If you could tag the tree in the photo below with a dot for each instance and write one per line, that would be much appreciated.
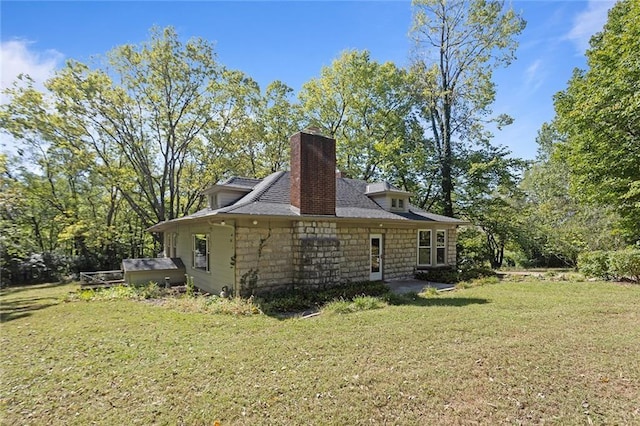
(365, 106)
(458, 44)
(558, 226)
(155, 121)
(599, 114)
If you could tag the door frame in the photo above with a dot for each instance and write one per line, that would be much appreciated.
(375, 276)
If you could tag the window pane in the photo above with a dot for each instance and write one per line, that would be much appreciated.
(401, 203)
(440, 237)
(375, 247)
(424, 238)
(424, 256)
(200, 252)
(393, 202)
(440, 256)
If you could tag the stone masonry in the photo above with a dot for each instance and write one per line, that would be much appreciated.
(316, 254)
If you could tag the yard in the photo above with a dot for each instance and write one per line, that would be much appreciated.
(530, 352)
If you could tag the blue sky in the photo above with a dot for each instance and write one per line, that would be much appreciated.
(292, 40)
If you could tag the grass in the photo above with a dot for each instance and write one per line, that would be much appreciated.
(531, 352)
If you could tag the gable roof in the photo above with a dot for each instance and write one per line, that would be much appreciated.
(271, 197)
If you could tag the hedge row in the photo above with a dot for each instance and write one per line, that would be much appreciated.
(619, 264)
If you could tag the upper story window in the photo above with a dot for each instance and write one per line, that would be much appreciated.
(401, 203)
(394, 203)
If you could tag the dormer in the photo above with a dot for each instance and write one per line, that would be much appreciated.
(389, 197)
(228, 192)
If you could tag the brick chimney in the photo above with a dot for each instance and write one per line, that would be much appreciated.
(313, 173)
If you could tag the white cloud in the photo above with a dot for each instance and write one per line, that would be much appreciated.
(17, 58)
(534, 75)
(589, 22)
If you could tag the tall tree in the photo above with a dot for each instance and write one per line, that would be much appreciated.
(365, 106)
(154, 121)
(558, 226)
(458, 43)
(599, 113)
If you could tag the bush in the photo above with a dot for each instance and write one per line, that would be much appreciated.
(360, 303)
(625, 264)
(300, 299)
(441, 275)
(594, 264)
(477, 282)
(475, 273)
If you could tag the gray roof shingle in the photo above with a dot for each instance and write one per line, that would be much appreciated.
(271, 197)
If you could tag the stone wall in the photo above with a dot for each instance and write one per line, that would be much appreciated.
(321, 253)
(400, 255)
(452, 238)
(263, 258)
(316, 254)
(354, 253)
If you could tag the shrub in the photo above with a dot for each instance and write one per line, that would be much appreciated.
(475, 273)
(625, 264)
(594, 264)
(300, 299)
(190, 286)
(441, 275)
(478, 282)
(360, 303)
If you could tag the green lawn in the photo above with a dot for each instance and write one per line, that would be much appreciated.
(508, 353)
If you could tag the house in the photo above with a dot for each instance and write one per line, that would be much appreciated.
(306, 227)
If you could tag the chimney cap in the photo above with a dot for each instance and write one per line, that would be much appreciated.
(313, 130)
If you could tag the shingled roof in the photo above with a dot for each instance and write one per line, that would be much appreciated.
(271, 197)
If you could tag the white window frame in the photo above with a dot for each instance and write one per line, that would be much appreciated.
(401, 203)
(442, 247)
(196, 255)
(394, 203)
(430, 247)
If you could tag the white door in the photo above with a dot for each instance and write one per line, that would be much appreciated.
(375, 271)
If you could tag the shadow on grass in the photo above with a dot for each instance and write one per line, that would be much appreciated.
(407, 299)
(416, 300)
(11, 290)
(21, 308)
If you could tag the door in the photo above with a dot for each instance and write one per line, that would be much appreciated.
(375, 271)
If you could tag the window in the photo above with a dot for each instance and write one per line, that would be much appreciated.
(441, 247)
(201, 252)
(400, 203)
(173, 250)
(394, 203)
(424, 247)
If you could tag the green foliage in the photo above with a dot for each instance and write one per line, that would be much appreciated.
(457, 45)
(476, 273)
(471, 245)
(440, 275)
(365, 106)
(625, 264)
(618, 264)
(558, 225)
(598, 113)
(190, 286)
(235, 306)
(359, 303)
(478, 282)
(151, 290)
(297, 300)
(594, 264)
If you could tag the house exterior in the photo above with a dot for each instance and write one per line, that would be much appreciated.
(308, 227)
